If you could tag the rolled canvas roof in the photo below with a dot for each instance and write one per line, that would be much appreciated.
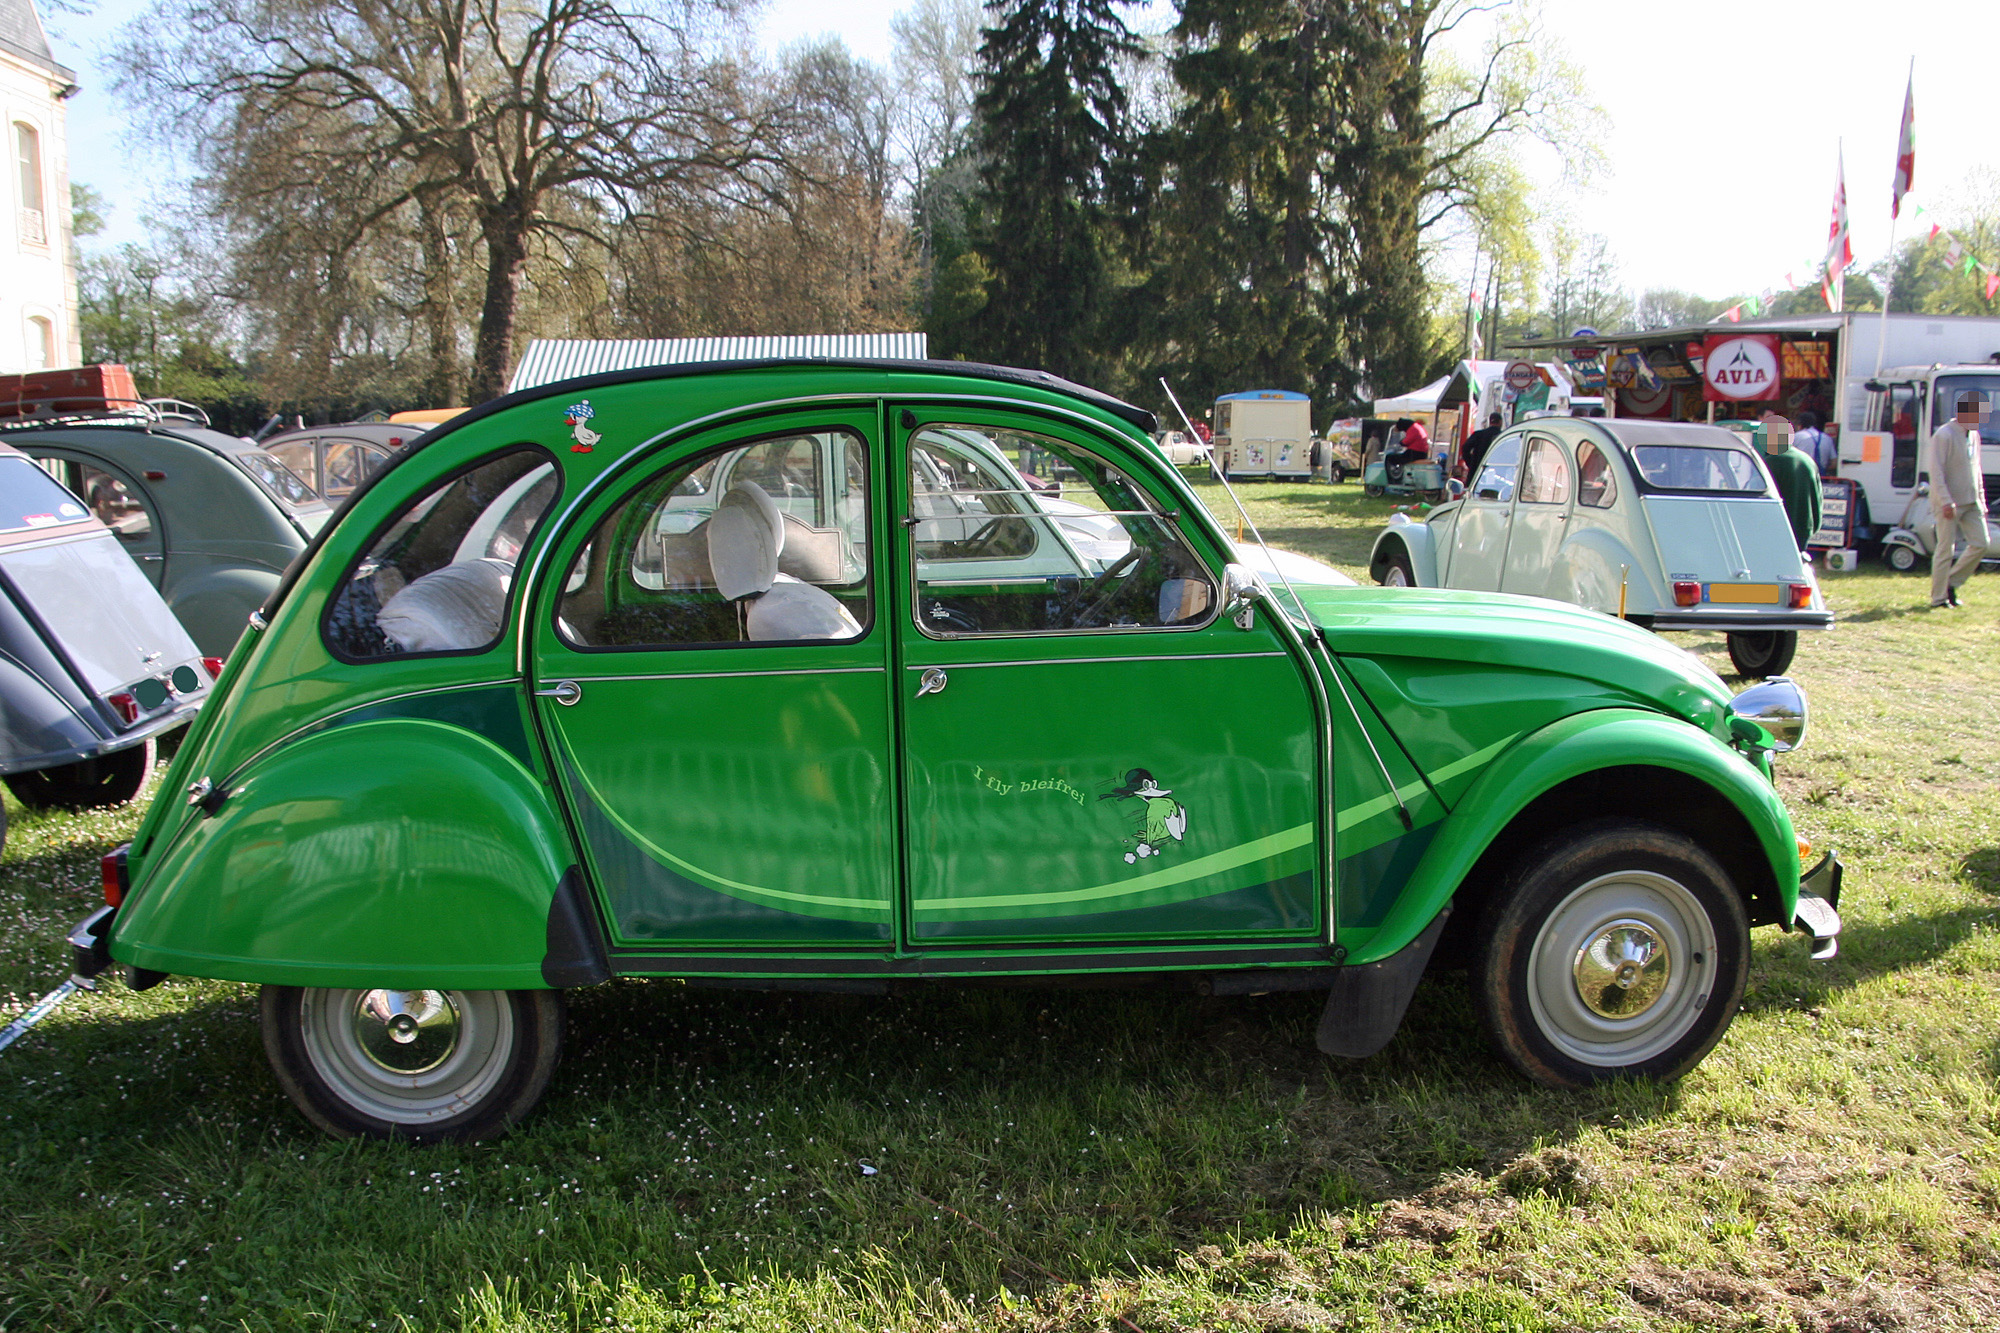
(550, 359)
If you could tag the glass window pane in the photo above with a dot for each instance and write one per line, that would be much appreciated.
(1680, 467)
(1496, 474)
(1546, 478)
(438, 579)
(298, 457)
(30, 498)
(1595, 487)
(763, 542)
(997, 553)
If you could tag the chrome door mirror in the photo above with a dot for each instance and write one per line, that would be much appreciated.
(1240, 590)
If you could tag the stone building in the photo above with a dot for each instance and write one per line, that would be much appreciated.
(38, 309)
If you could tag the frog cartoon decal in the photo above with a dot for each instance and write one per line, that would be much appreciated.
(1162, 819)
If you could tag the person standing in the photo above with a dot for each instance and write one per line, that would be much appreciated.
(1817, 445)
(1476, 445)
(1796, 475)
(1958, 499)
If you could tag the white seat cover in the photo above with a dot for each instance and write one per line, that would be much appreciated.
(745, 535)
(459, 606)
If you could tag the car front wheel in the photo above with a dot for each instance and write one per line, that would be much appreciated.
(1617, 948)
(1901, 559)
(420, 1065)
(1759, 653)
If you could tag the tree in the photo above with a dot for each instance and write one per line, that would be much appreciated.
(1052, 137)
(535, 122)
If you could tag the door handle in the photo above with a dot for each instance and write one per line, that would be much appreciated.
(564, 692)
(932, 683)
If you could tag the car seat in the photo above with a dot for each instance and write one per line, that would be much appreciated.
(746, 536)
(457, 607)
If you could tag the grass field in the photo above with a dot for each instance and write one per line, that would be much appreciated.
(1087, 1160)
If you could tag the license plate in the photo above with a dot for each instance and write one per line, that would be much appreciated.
(1744, 592)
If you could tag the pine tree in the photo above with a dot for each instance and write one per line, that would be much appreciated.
(1055, 148)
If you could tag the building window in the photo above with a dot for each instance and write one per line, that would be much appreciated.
(28, 155)
(41, 343)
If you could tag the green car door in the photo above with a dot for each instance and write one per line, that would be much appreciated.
(710, 668)
(1092, 753)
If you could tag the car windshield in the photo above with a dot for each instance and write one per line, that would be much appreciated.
(276, 478)
(30, 498)
(1683, 467)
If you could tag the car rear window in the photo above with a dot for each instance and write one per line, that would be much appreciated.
(1683, 467)
(30, 498)
(276, 478)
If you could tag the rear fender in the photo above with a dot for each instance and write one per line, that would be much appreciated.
(1592, 565)
(397, 852)
(1571, 748)
(1411, 538)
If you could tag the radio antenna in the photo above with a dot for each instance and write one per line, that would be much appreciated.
(1237, 500)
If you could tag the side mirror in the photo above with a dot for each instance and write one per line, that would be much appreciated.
(1455, 489)
(1240, 590)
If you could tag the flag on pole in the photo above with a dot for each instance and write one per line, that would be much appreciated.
(1839, 252)
(1992, 284)
(1906, 145)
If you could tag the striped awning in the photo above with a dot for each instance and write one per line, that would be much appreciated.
(550, 359)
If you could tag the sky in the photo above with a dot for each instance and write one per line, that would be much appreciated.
(1725, 121)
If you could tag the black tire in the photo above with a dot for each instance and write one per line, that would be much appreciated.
(1588, 918)
(1396, 572)
(1434, 497)
(88, 784)
(1760, 653)
(1337, 473)
(1373, 492)
(462, 1065)
(1902, 559)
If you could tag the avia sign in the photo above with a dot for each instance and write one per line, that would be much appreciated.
(1740, 368)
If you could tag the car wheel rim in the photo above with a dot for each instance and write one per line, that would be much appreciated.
(1622, 969)
(1395, 578)
(408, 1057)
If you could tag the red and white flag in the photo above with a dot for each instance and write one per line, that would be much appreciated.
(1906, 148)
(1839, 252)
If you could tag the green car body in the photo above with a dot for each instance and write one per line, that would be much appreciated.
(973, 774)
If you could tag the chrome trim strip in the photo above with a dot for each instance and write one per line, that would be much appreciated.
(1077, 661)
(731, 675)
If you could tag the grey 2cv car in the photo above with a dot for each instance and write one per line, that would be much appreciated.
(92, 664)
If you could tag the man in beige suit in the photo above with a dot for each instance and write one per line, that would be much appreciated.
(1958, 498)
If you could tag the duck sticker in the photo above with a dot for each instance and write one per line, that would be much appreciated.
(576, 417)
(1161, 818)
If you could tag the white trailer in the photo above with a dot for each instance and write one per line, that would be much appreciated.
(1264, 433)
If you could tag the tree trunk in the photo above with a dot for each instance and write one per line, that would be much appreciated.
(506, 237)
(444, 384)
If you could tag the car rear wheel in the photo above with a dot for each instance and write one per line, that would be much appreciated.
(88, 784)
(1374, 492)
(1759, 653)
(1397, 572)
(420, 1065)
(1616, 948)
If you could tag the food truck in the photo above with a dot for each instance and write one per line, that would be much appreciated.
(1825, 364)
(1264, 433)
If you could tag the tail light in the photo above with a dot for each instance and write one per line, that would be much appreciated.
(1798, 595)
(117, 879)
(125, 705)
(1687, 594)
(213, 666)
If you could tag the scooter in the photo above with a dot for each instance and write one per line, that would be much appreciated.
(1914, 537)
(1423, 477)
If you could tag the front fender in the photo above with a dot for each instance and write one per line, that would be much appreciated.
(1570, 748)
(1413, 539)
(330, 865)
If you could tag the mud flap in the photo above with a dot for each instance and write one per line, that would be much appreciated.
(1368, 1000)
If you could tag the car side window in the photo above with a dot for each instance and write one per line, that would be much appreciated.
(1497, 472)
(300, 456)
(757, 542)
(438, 577)
(1596, 487)
(1545, 479)
(998, 554)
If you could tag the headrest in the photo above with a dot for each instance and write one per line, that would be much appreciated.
(745, 536)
